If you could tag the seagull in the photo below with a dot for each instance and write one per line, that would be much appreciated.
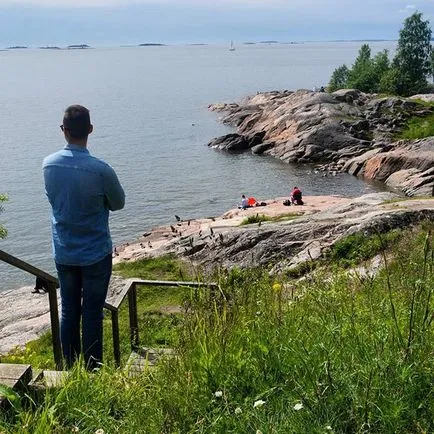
(177, 218)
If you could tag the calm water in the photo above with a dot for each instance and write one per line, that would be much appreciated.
(149, 110)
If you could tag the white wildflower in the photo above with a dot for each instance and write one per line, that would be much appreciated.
(258, 431)
(298, 406)
(99, 431)
(329, 428)
(218, 394)
(258, 403)
(238, 410)
(75, 428)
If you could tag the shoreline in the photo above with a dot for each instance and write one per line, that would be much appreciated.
(161, 238)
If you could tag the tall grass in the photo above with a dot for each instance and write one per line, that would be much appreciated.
(418, 128)
(333, 353)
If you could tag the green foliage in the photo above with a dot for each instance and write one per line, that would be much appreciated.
(3, 230)
(366, 73)
(418, 128)
(339, 78)
(406, 75)
(413, 59)
(258, 218)
(361, 74)
(330, 354)
(358, 247)
(38, 353)
(160, 268)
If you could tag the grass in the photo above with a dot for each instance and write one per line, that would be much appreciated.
(260, 218)
(334, 354)
(359, 247)
(417, 128)
(407, 198)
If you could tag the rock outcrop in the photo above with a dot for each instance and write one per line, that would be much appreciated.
(346, 130)
(288, 243)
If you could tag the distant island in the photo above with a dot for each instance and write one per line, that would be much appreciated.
(16, 47)
(249, 43)
(151, 44)
(49, 48)
(197, 44)
(268, 42)
(78, 47)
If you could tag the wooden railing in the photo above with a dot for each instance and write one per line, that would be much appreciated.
(129, 291)
(51, 284)
(113, 303)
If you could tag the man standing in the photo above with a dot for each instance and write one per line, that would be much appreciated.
(82, 190)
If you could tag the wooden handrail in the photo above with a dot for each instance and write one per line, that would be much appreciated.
(18, 263)
(130, 290)
(51, 285)
(112, 304)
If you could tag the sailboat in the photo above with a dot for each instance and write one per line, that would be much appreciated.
(232, 48)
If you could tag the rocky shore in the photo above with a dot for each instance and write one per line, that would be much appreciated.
(286, 236)
(346, 131)
(282, 239)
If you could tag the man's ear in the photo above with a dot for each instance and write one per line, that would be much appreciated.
(90, 128)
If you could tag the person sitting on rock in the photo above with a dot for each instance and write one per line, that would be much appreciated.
(296, 196)
(244, 202)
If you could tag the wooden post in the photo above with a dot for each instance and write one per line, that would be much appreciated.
(134, 324)
(116, 339)
(55, 325)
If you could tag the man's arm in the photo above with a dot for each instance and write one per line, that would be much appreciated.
(114, 193)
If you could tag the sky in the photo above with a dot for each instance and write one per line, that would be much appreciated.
(131, 22)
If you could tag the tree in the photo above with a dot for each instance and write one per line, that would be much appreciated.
(3, 231)
(339, 78)
(413, 55)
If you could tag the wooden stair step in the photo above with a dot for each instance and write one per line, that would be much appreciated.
(146, 358)
(49, 379)
(15, 376)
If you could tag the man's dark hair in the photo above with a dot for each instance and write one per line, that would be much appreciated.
(77, 121)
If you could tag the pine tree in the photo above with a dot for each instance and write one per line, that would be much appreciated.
(413, 55)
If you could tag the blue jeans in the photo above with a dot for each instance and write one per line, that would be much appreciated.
(83, 291)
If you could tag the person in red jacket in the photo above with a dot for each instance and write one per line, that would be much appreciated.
(296, 196)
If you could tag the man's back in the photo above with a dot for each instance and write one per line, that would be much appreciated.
(81, 190)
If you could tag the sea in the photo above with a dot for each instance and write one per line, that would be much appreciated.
(149, 108)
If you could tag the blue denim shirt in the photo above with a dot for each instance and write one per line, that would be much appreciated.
(81, 190)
